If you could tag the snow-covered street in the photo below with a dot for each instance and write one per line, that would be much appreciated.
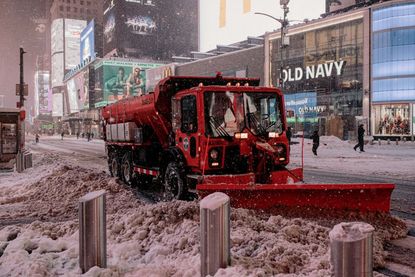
(39, 225)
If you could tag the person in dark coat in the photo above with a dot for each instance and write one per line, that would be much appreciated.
(360, 135)
(316, 142)
(289, 135)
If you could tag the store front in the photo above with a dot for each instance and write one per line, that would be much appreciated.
(322, 76)
(392, 119)
(393, 70)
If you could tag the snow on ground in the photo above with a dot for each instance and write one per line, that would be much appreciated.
(391, 160)
(39, 230)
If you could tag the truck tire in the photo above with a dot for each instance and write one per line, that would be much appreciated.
(174, 186)
(114, 165)
(127, 169)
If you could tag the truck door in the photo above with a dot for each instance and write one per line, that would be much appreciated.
(186, 132)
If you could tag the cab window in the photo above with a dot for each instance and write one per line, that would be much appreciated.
(189, 114)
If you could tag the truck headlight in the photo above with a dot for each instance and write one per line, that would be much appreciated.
(214, 154)
(273, 135)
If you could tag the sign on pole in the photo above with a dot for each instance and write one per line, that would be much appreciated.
(25, 89)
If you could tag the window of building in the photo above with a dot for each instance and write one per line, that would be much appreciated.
(392, 119)
(74, 1)
(75, 9)
(88, 3)
(82, 2)
(68, 9)
(61, 8)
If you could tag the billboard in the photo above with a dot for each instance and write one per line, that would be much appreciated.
(78, 94)
(88, 42)
(57, 70)
(117, 79)
(57, 104)
(73, 29)
(154, 29)
(154, 75)
(302, 107)
(42, 97)
(57, 35)
(109, 27)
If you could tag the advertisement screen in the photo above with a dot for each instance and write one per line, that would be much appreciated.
(57, 70)
(115, 80)
(78, 94)
(301, 106)
(88, 42)
(57, 35)
(109, 26)
(156, 29)
(73, 96)
(73, 29)
(42, 92)
(57, 104)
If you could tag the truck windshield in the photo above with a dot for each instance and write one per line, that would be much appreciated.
(229, 112)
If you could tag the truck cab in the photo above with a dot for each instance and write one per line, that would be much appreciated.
(228, 130)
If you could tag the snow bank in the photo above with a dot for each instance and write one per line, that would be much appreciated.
(39, 232)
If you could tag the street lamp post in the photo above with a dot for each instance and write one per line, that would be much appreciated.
(284, 24)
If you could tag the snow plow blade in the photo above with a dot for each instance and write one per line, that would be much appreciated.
(350, 197)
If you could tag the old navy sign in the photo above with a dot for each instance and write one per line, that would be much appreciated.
(313, 71)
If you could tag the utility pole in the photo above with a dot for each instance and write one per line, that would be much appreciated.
(284, 24)
(283, 44)
(21, 88)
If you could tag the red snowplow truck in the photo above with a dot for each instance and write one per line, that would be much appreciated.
(208, 134)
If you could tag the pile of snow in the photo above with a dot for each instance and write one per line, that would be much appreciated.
(39, 232)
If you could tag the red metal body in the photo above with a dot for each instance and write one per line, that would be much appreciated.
(360, 197)
(176, 127)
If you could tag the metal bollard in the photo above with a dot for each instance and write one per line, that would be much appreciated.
(92, 231)
(19, 162)
(214, 233)
(379, 141)
(351, 249)
(389, 141)
(397, 141)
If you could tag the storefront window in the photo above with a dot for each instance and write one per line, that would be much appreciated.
(392, 119)
(323, 78)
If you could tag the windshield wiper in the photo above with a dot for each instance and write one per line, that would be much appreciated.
(218, 128)
(252, 119)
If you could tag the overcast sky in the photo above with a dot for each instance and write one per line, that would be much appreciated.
(239, 25)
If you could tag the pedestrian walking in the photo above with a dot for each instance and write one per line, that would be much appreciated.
(316, 142)
(88, 135)
(62, 134)
(289, 135)
(37, 138)
(360, 135)
(77, 135)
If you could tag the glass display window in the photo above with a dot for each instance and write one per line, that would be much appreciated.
(392, 119)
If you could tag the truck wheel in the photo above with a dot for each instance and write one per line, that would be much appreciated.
(127, 169)
(114, 166)
(174, 187)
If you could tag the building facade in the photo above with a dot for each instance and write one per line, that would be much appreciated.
(393, 69)
(349, 68)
